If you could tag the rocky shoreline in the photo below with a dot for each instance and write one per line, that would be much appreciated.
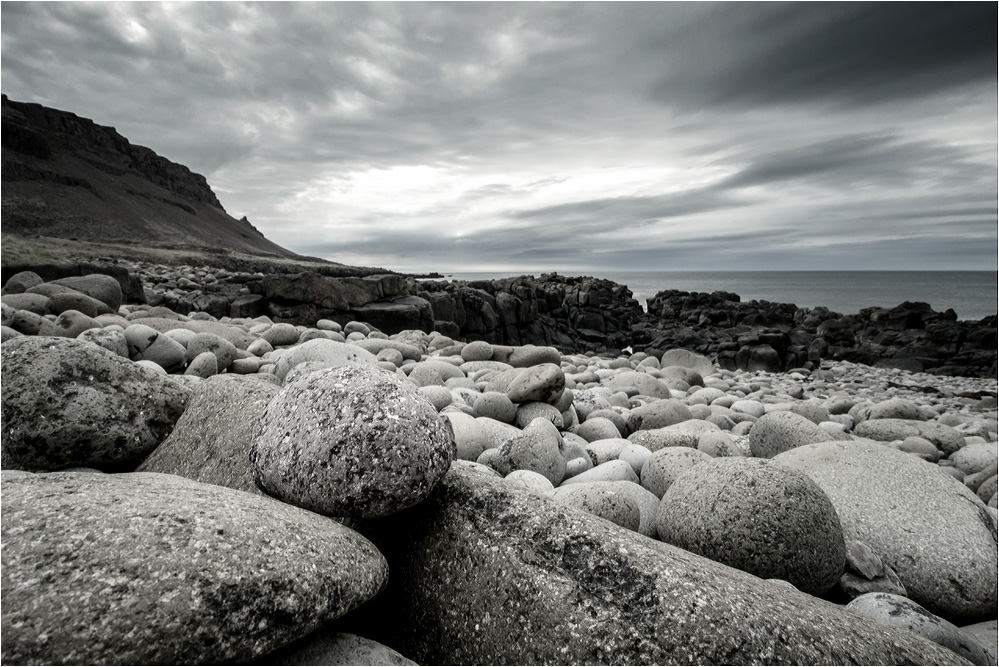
(191, 477)
(575, 314)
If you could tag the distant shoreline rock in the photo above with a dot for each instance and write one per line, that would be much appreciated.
(572, 313)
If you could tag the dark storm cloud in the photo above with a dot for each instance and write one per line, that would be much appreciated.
(416, 135)
(846, 53)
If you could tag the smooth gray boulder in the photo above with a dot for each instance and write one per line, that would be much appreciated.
(211, 441)
(947, 439)
(68, 402)
(330, 353)
(143, 568)
(355, 441)
(901, 612)
(148, 344)
(102, 287)
(782, 430)
(933, 531)
(539, 447)
(658, 414)
(484, 573)
(757, 516)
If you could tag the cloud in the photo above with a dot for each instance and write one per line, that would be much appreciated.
(426, 136)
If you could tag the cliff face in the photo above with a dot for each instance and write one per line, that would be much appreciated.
(68, 177)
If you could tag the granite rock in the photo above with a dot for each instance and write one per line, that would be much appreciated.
(144, 568)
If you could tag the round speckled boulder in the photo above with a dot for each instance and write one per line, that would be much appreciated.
(67, 402)
(224, 351)
(478, 350)
(604, 499)
(665, 466)
(930, 528)
(353, 441)
(779, 431)
(974, 458)
(759, 517)
(144, 568)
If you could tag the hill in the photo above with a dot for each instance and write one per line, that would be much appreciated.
(69, 182)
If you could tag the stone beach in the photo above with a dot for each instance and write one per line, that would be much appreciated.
(295, 469)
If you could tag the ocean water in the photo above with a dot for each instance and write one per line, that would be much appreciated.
(972, 294)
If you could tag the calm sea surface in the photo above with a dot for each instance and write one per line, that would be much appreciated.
(972, 294)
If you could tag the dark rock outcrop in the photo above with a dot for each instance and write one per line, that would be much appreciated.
(760, 335)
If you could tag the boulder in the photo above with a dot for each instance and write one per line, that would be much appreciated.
(98, 286)
(144, 568)
(902, 506)
(657, 414)
(945, 438)
(539, 448)
(326, 647)
(757, 516)
(781, 430)
(211, 441)
(353, 441)
(71, 403)
(603, 499)
(901, 612)
(330, 353)
(666, 465)
(485, 573)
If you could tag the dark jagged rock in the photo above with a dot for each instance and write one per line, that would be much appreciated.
(759, 335)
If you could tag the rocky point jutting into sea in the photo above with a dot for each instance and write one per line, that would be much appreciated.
(204, 466)
(216, 451)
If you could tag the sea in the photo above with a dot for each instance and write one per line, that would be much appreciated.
(972, 294)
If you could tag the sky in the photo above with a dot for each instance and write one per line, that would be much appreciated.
(554, 136)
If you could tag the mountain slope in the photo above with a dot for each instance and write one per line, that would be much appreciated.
(67, 177)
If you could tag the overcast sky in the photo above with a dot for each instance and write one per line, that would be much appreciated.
(540, 136)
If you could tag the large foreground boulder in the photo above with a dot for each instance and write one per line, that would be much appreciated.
(934, 532)
(68, 402)
(485, 573)
(144, 568)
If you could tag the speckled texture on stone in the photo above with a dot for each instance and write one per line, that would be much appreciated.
(68, 402)
(353, 441)
(779, 431)
(603, 499)
(325, 647)
(544, 382)
(759, 517)
(933, 531)
(483, 573)
(666, 465)
(211, 441)
(143, 568)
